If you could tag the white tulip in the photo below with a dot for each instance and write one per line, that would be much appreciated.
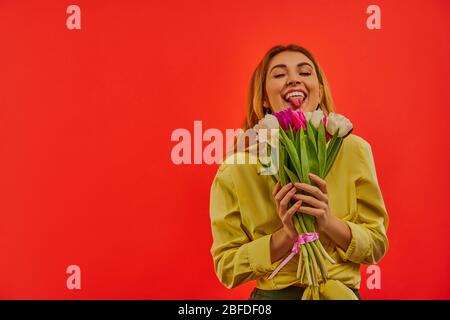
(268, 122)
(344, 126)
(316, 117)
(308, 115)
(337, 122)
(332, 125)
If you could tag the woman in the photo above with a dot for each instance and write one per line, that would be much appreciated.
(251, 223)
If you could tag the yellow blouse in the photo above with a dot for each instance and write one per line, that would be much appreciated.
(244, 216)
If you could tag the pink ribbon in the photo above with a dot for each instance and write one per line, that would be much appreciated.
(302, 239)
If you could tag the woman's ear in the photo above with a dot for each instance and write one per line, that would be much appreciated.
(320, 93)
(266, 104)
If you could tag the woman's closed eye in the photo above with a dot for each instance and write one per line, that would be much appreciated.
(301, 73)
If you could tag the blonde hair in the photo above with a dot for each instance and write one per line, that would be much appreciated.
(257, 92)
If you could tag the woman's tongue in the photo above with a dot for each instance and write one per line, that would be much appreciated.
(296, 102)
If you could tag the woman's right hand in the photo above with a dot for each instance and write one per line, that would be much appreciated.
(283, 196)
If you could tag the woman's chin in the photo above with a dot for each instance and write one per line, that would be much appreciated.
(289, 106)
(294, 107)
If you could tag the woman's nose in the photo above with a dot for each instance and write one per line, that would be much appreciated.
(293, 82)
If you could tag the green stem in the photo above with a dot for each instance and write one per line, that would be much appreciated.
(317, 253)
(323, 269)
(314, 268)
(306, 261)
(300, 264)
(302, 277)
(325, 253)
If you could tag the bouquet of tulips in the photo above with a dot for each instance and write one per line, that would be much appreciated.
(307, 143)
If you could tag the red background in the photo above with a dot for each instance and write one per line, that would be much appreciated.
(86, 117)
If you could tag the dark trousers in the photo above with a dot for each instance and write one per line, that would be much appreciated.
(289, 293)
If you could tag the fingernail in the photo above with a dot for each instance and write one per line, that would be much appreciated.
(289, 184)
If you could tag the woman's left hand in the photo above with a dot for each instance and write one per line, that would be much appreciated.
(318, 199)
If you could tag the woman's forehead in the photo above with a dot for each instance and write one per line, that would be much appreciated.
(289, 59)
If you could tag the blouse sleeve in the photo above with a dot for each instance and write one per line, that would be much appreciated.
(237, 259)
(369, 240)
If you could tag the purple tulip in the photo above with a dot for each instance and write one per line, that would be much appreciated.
(284, 118)
(327, 135)
(298, 120)
(295, 119)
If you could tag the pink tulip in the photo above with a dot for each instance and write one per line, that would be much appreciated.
(284, 118)
(327, 135)
(302, 118)
(298, 120)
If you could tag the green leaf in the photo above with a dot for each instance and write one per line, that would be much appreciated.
(311, 135)
(291, 133)
(292, 176)
(297, 144)
(275, 178)
(281, 172)
(292, 152)
(304, 158)
(312, 157)
(333, 154)
(321, 149)
(297, 141)
(315, 131)
(331, 144)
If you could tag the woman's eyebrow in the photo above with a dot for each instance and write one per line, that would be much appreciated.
(284, 66)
